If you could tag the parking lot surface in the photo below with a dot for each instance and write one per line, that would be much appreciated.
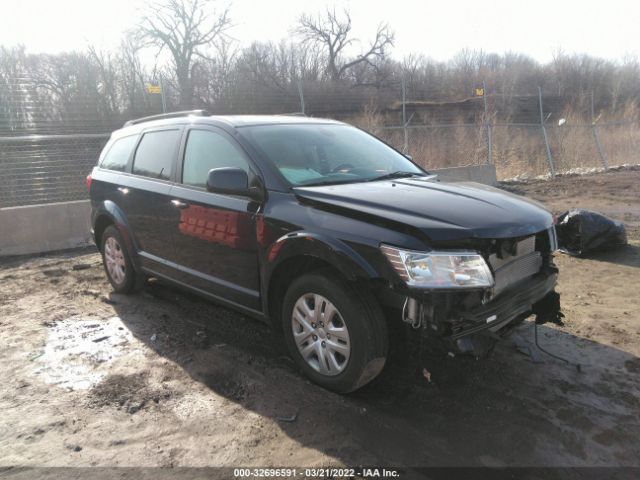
(164, 378)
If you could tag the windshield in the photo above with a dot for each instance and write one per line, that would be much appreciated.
(325, 154)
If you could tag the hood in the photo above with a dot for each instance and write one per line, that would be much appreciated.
(440, 210)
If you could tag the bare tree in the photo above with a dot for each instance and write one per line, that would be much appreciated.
(333, 33)
(216, 75)
(132, 73)
(186, 28)
(108, 77)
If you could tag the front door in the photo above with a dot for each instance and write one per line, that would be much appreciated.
(215, 237)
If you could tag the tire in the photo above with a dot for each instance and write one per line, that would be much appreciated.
(122, 275)
(338, 361)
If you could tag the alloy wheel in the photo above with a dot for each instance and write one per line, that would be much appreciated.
(320, 334)
(114, 260)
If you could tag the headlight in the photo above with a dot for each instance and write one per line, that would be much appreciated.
(440, 269)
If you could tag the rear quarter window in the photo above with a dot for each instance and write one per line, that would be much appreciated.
(155, 154)
(118, 154)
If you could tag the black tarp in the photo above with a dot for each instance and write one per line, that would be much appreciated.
(581, 231)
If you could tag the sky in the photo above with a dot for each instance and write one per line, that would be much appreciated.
(437, 29)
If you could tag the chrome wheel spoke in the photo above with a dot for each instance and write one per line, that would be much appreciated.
(342, 349)
(302, 338)
(322, 359)
(328, 314)
(301, 315)
(340, 333)
(308, 350)
(318, 304)
(303, 305)
(333, 361)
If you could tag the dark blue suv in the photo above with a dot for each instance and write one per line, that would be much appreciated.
(322, 230)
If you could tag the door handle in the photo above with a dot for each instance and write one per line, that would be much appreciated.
(179, 204)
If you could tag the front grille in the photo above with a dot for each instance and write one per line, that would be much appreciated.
(511, 269)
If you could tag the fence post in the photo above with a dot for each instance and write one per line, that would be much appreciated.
(596, 137)
(487, 124)
(300, 92)
(163, 95)
(405, 147)
(552, 170)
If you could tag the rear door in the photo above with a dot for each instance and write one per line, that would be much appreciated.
(106, 178)
(145, 191)
(215, 237)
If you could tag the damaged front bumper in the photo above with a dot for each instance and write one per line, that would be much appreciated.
(466, 324)
(508, 306)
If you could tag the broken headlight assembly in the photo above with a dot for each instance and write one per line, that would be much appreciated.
(440, 269)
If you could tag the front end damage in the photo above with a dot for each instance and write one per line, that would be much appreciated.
(471, 321)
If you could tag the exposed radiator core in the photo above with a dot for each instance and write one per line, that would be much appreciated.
(509, 270)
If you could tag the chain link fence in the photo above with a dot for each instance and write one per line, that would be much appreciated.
(439, 146)
(46, 168)
(524, 136)
(48, 145)
(519, 151)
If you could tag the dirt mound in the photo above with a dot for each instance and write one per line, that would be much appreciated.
(129, 392)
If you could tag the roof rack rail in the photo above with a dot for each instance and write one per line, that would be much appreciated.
(292, 114)
(161, 116)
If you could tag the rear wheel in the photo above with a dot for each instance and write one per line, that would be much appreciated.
(117, 262)
(336, 334)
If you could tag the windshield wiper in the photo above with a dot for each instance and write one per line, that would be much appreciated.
(326, 182)
(387, 176)
(397, 174)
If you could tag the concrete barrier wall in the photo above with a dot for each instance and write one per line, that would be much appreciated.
(60, 226)
(44, 228)
(473, 173)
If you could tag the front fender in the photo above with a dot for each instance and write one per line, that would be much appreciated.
(304, 244)
(329, 249)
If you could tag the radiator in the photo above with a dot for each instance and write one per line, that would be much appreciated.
(509, 270)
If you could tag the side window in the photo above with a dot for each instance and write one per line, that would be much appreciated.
(155, 153)
(118, 155)
(207, 150)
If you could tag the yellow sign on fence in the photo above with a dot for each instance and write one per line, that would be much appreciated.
(479, 92)
(153, 88)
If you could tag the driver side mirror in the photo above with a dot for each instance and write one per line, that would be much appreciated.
(232, 181)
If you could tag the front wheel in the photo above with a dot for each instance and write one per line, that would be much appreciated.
(336, 334)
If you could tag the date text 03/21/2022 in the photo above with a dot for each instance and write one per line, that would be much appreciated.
(316, 472)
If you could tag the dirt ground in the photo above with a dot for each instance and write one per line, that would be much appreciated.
(163, 378)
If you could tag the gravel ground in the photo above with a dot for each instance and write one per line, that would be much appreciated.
(163, 378)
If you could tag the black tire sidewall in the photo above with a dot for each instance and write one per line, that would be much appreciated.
(366, 343)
